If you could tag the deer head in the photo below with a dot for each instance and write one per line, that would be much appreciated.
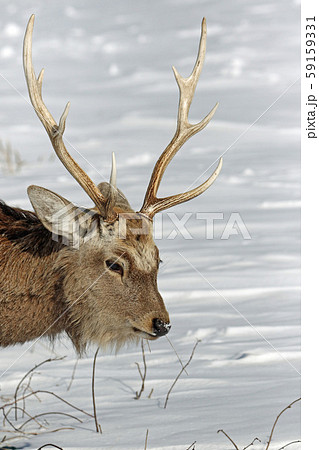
(111, 282)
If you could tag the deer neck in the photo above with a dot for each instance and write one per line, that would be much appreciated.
(31, 292)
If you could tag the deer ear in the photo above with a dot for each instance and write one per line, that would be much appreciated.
(50, 208)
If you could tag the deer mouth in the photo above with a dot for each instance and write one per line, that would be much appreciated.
(145, 334)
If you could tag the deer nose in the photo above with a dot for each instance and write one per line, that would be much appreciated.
(160, 328)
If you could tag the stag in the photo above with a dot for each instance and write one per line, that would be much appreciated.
(102, 291)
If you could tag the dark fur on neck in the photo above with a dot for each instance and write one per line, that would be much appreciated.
(24, 229)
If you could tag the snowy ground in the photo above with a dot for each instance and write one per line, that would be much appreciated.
(239, 296)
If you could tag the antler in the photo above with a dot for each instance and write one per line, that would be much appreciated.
(184, 131)
(55, 132)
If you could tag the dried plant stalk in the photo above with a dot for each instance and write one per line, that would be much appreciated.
(142, 375)
(180, 373)
(97, 425)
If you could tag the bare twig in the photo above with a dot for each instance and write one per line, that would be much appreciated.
(192, 446)
(27, 374)
(31, 391)
(142, 375)
(148, 346)
(48, 414)
(150, 394)
(97, 425)
(6, 414)
(292, 442)
(50, 393)
(277, 418)
(179, 359)
(73, 374)
(222, 431)
(50, 445)
(146, 438)
(21, 434)
(54, 431)
(180, 373)
(252, 443)
(18, 431)
(6, 418)
(27, 387)
(271, 434)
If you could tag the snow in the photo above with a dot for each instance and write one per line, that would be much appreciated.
(239, 297)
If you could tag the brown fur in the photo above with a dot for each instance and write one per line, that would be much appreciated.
(47, 287)
(30, 293)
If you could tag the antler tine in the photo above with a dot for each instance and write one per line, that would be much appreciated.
(168, 202)
(111, 201)
(184, 130)
(55, 132)
(187, 88)
(113, 172)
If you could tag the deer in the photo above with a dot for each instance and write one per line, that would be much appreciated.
(102, 291)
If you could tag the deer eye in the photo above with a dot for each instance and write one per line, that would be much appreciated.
(115, 267)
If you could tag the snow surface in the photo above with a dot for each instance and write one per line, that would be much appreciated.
(239, 296)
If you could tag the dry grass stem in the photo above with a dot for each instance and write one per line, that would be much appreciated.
(41, 391)
(146, 438)
(192, 446)
(180, 373)
(222, 431)
(179, 359)
(48, 414)
(26, 375)
(252, 443)
(290, 443)
(150, 394)
(27, 388)
(142, 375)
(24, 412)
(50, 445)
(73, 374)
(271, 434)
(15, 405)
(97, 425)
(277, 418)
(6, 419)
